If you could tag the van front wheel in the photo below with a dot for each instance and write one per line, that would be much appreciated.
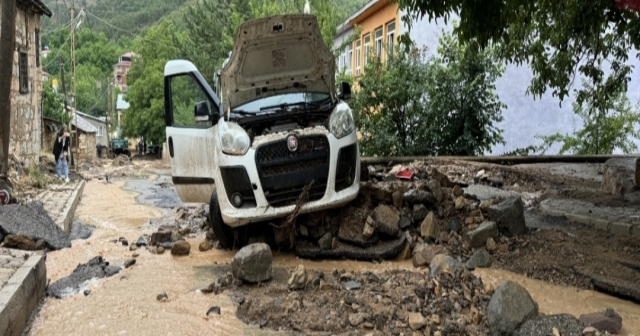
(220, 229)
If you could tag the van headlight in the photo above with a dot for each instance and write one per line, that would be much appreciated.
(341, 121)
(234, 139)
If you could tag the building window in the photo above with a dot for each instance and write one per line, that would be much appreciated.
(367, 48)
(391, 36)
(37, 48)
(99, 133)
(358, 56)
(379, 42)
(349, 58)
(24, 72)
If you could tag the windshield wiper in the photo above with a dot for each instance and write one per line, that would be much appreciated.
(302, 103)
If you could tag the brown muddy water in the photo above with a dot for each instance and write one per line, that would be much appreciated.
(126, 304)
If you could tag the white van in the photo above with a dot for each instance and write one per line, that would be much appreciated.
(283, 127)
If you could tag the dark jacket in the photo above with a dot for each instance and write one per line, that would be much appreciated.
(60, 145)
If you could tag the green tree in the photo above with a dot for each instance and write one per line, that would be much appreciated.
(442, 106)
(559, 39)
(462, 98)
(145, 116)
(52, 104)
(605, 127)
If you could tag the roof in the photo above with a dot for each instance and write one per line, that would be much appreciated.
(88, 116)
(35, 5)
(121, 104)
(347, 23)
(83, 124)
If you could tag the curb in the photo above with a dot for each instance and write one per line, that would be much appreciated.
(601, 223)
(20, 295)
(70, 207)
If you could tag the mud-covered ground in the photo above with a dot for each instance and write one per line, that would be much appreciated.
(555, 251)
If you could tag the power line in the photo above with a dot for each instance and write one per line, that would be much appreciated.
(59, 50)
(129, 32)
(66, 25)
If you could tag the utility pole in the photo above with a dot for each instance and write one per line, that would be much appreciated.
(7, 47)
(73, 85)
(107, 115)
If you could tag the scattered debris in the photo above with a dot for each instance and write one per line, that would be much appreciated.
(129, 262)
(162, 297)
(213, 310)
(608, 321)
(180, 248)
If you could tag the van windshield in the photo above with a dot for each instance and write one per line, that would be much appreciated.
(284, 101)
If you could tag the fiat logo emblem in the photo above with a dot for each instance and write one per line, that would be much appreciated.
(292, 143)
(4, 197)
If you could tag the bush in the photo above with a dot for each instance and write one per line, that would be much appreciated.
(446, 105)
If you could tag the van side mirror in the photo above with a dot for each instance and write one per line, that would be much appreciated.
(345, 91)
(201, 109)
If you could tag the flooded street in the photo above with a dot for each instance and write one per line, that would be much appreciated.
(126, 303)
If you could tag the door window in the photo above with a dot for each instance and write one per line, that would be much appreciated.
(189, 103)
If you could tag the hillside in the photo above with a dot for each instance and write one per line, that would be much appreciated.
(132, 16)
(136, 16)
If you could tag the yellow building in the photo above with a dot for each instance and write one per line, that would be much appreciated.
(380, 22)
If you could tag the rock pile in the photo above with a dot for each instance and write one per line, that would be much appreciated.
(391, 303)
(172, 229)
(430, 215)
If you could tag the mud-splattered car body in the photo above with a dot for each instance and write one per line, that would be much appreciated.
(279, 127)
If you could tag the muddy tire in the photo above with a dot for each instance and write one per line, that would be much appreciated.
(220, 229)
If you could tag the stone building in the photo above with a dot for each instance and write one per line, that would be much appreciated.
(26, 84)
(86, 138)
(100, 123)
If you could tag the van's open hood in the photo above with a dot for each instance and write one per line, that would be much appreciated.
(277, 55)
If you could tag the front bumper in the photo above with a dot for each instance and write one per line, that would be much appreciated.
(330, 189)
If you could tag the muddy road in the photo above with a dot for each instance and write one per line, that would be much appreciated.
(126, 303)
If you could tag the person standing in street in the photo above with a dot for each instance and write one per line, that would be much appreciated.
(61, 153)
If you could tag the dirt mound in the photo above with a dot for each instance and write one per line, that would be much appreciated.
(389, 303)
(121, 160)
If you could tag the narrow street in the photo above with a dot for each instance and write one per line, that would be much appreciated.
(126, 302)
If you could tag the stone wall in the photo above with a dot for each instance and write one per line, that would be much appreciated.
(26, 121)
(87, 148)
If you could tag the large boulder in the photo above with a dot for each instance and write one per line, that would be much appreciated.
(543, 325)
(607, 320)
(252, 263)
(424, 253)
(445, 264)
(509, 215)
(509, 307)
(620, 175)
(478, 237)
(387, 220)
(32, 220)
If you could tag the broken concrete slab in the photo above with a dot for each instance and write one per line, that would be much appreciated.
(384, 250)
(484, 193)
(20, 295)
(621, 175)
(32, 220)
(96, 268)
